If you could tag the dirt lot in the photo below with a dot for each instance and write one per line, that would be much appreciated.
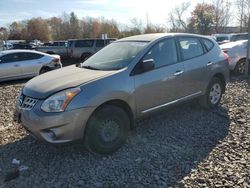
(185, 146)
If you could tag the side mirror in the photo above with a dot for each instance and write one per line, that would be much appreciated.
(143, 66)
(148, 65)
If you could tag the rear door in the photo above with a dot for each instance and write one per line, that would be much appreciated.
(196, 64)
(31, 63)
(10, 66)
(162, 85)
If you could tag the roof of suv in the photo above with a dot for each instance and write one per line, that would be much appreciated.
(155, 36)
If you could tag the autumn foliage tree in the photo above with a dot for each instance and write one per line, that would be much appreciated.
(202, 19)
(38, 28)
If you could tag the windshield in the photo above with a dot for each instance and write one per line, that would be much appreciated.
(115, 56)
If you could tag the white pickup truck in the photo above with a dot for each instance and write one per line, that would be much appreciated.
(56, 47)
(84, 48)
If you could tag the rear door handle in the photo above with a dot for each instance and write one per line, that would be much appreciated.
(16, 65)
(177, 73)
(209, 63)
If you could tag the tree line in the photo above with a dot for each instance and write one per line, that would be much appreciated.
(206, 18)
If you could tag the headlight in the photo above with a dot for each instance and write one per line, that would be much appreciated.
(59, 101)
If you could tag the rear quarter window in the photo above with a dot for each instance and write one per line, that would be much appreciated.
(208, 44)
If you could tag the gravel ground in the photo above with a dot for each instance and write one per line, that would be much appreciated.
(185, 146)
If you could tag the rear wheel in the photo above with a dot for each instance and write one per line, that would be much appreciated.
(213, 94)
(44, 70)
(107, 130)
(240, 67)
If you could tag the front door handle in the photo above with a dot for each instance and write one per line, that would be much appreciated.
(178, 73)
(16, 65)
(209, 63)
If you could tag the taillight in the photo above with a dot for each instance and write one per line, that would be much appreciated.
(56, 61)
(227, 57)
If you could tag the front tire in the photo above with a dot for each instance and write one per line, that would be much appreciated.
(213, 94)
(107, 130)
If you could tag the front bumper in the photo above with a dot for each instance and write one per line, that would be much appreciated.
(54, 128)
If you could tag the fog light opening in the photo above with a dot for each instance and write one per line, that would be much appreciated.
(51, 135)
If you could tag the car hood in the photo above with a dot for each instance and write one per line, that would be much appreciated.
(46, 84)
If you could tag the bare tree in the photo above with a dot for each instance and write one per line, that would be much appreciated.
(222, 14)
(176, 17)
(243, 12)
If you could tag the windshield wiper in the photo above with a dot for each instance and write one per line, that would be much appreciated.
(89, 67)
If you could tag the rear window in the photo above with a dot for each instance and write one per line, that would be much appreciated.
(208, 44)
(84, 43)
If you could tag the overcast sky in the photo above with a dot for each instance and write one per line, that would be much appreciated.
(120, 10)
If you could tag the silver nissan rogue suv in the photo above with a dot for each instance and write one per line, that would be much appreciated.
(99, 100)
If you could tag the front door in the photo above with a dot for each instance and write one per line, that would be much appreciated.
(165, 83)
(10, 66)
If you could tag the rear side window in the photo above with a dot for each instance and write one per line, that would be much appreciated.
(190, 47)
(239, 37)
(84, 43)
(163, 53)
(99, 43)
(30, 56)
(208, 44)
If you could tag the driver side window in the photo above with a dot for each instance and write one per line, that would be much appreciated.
(163, 53)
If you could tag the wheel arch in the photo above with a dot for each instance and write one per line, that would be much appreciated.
(121, 104)
(221, 77)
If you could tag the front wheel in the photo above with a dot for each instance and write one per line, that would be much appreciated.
(213, 94)
(107, 130)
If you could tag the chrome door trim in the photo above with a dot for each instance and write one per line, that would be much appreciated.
(171, 102)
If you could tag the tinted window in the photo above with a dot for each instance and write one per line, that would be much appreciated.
(84, 43)
(220, 39)
(31, 56)
(163, 53)
(10, 58)
(70, 43)
(239, 37)
(208, 44)
(190, 47)
(99, 43)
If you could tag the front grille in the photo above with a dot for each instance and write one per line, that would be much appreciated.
(27, 103)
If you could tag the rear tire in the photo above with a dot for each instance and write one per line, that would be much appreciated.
(107, 130)
(44, 70)
(213, 94)
(240, 67)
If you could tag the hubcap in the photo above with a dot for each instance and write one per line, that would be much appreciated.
(241, 68)
(215, 93)
(109, 130)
